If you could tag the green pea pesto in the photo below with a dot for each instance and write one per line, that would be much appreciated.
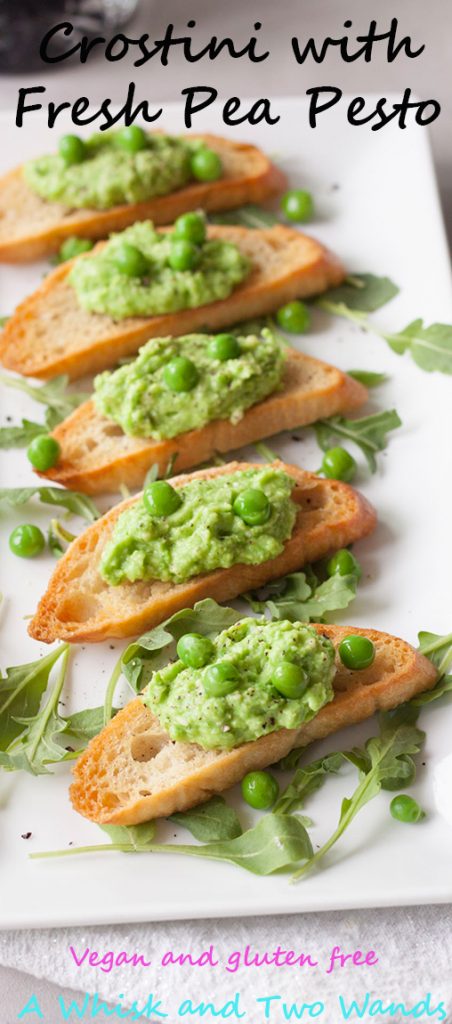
(109, 176)
(137, 397)
(203, 534)
(255, 647)
(102, 288)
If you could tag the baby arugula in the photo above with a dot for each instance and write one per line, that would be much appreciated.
(429, 347)
(76, 503)
(369, 433)
(54, 395)
(27, 730)
(301, 596)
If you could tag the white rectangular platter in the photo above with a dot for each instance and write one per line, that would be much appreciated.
(377, 206)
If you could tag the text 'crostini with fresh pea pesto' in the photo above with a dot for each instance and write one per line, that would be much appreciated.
(235, 704)
(91, 187)
(185, 399)
(143, 283)
(216, 533)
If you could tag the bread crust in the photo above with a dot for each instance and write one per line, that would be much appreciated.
(31, 227)
(49, 333)
(96, 456)
(79, 606)
(117, 779)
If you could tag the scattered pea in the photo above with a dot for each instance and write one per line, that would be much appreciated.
(194, 650)
(297, 205)
(180, 374)
(356, 652)
(290, 680)
(253, 506)
(338, 464)
(191, 227)
(224, 347)
(132, 138)
(43, 452)
(343, 563)
(294, 317)
(27, 541)
(260, 790)
(72, 149)
(160, 499)
(405, 808)
(205, 164)
(220, 679)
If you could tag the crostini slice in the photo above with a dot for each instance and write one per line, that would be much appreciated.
(79, 606)
(31, 227)
(96, 456)
(132, 771)
(49, 333)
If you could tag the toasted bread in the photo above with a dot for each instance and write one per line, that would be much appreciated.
(49, 333)
(132, 771)
(31, 227)
(80, 606)
(96, 456)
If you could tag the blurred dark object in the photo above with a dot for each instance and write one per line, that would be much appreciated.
(23, 23)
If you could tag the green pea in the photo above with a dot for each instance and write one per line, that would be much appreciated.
(404, 808)
(356, 651)
(297, 205)
(195, 650)
(74, 247)
(132, 138)
(160, 499)
(290, 680)
(260, 790)
(129, 260)
(343, 563)
(180, 374)
(338, 464)
(252, 506)
(224, 347)
(406, 775)
(27, 541)
(191, 227)
(205, 164)
(294, 317)
(220, 679)
(72, 149)
(43, 452)
(183, 255)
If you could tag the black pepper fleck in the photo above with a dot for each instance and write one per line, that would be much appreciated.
(26, 835)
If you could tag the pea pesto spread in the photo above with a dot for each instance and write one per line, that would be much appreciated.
(141, 272)
(254, 651)
(230, 374)
(169, 534)
(109, 169)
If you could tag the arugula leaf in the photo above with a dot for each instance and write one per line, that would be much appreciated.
(153, 649)
(277, 841)
(83, 725)
(369, 433)
(213, 821)
(58, 538)
(368, 378)
(381, 762)
(36, 745)
(301, 597)
(307, 780)
(361, 292)
(21, 692)
(52, 393)
(438, 649)
(139, 837)
(249, 216)
(430, 347)
(75, 502)
(21, 436)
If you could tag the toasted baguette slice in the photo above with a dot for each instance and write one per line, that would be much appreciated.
(31, 227)
(132, 771)
(97, 456)
(49, 333)
(80, 606)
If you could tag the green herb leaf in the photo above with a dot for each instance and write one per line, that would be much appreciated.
(21, 692)
(58, 538)
(379, 761)
(20, 437)
(368, 378)
(362, 292)
(83, 725)
(52, 393)
(76, 503)
(249, 216)
(307, 780)
(443, 686)
(138, 837)
(277, 841)
(437, 648)
(430, 347)
(301, 597)
(369, 433)
(214, 821)
(36, 745)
